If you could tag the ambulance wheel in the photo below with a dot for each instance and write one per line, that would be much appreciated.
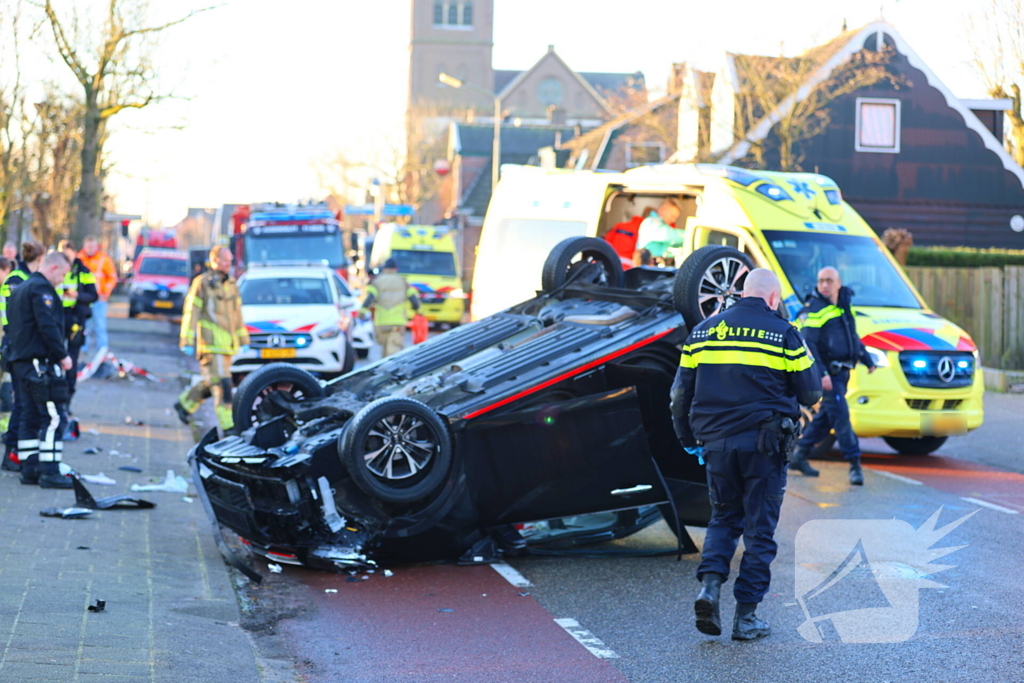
(922, 445)
(709, 281)
(397, 450)
(250, 405)
(601, 263)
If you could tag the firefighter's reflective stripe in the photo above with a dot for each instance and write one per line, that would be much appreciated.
(216, 339)
(819, 318)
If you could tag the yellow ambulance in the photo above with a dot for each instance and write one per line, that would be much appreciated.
(929, 384)
(428, 258)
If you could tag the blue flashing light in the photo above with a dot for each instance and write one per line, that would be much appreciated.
(919, 364)
(736, 175)
(833, 197)
(301, 341)
(773, 192)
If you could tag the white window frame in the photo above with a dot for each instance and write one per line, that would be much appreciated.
(631, 145)
(897, 133)
(460, 8)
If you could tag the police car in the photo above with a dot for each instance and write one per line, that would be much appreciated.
(301, 315)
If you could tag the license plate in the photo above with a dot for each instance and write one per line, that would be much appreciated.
(163, 304)
(943, 425)
(277, 353)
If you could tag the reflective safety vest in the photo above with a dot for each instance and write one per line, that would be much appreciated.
(212, 317)
(15, 278)
(390, 295)
(75, 279)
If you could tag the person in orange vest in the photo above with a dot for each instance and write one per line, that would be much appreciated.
(102, 267)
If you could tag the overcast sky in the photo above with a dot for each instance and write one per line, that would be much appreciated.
(275, 87)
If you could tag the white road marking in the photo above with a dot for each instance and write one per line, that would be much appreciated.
(509, 573)
(991, 506)
(898, 477)
(586, 639)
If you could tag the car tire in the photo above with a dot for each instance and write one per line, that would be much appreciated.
(922, 445)
(388, 477)
(257, 385)
(132, 311)
(713, 271)
(562, 262)
(349, 363)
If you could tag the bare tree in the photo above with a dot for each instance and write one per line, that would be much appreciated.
(785, 94)
(996, 31)
(650, 122)
(115, 71)
(54, 144)
(12, 111)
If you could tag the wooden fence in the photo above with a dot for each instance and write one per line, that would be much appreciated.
(986, 302)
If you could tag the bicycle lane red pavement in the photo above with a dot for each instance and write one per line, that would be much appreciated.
(952, 475)
(390, 629)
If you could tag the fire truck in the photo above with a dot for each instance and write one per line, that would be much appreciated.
(287, 234)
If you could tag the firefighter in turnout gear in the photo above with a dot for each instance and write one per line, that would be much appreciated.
(388, 295)
(830, 329)
(39, 359)
(32, 253)
(735, 401)
(78, 293)
(212, 329)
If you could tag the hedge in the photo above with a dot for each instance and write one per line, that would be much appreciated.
(964, 257)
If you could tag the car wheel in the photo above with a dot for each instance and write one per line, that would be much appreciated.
(350, 359)
(397, 450)
(922, 445)
(250, 406)
(569, 256)
(709, 281)
(132, 311)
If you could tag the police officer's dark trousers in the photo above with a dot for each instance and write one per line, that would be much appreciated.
(42, 426)
(746, 490)
(834, 414)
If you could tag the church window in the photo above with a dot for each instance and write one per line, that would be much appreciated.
(549, 91)
(438, 12)
(467, 14)
(453, 14)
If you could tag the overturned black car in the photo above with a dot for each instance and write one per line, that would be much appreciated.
(546, 425)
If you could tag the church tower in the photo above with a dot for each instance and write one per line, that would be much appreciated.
(455, 37)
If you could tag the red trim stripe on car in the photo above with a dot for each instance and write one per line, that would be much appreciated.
(583, 368)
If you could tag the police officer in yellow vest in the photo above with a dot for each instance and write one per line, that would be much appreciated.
(212, 329)
(78, 292)
(389, 294)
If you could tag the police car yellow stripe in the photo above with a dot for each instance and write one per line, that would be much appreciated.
(754, 358)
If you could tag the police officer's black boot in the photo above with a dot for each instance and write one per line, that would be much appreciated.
(706, 605)
(51, 478)
(30, 469)
(799, 463)
(856, 474)
(746, 625)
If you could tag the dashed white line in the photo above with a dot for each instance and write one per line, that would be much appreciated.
(899, 477)
(509, 573)
(586, 639)
(991, 506)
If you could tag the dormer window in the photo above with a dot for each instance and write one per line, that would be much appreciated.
(878, 125)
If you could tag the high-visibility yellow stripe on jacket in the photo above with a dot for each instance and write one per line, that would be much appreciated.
(15, 278)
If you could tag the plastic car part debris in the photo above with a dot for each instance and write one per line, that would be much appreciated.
(187, 499)
(171, 484)
(92, 450)
(83, 547)
(130, 468)
(123, 501)
(388, 572)
(330, 590)
(98, 606)
(523, 594)
(66, 513)
(93, 431)
(445, 609)
(356, 579)
(115, 452)
(274, 568)
(100, 478)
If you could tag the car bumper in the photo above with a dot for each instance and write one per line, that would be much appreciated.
(443, 311)
(883, 404)
(150, 303)
(320, 356)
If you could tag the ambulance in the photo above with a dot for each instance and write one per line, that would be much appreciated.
(929, 384)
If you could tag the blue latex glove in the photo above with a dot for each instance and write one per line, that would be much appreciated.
(697, 452)
(244, 348)
(188, 350)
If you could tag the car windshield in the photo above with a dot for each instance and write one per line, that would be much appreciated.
(173, 267)
(306, 248)
(275, 291)
(424, 262)
(861, 264)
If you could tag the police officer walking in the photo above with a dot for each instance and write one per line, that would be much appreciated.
(213, 331)
(830, 329)
(78, 293)
(735, 401)
(39, 359)
(389, 294)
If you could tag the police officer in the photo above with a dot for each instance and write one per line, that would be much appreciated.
(389, 294)
(740, 379)
(829, 327)
(78, 292)
(212, 329)
(39, 359)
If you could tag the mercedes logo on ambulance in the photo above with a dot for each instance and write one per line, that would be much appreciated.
(947, 369)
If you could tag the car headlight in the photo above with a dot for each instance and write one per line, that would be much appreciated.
(329, 333)
(457, 293)
(879, 357)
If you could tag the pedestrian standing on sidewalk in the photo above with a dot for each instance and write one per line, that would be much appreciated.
(78, 294)
(102, 268)
(32, 253)
(213, 331)
(39, 359)
(389, 295)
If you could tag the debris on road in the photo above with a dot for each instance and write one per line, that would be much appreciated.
(172, 483)
(187, 499)
(388, 572)
(330, 590)
(86, 500)
(100, 479)
(108, 366)
(93, 431)
(130, 468)
(274, 568)
(445, 609)
(98, 606)
(92, 450)
(66, 513)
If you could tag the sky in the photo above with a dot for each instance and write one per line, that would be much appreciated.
(268, 92)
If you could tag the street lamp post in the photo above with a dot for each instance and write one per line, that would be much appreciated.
(453, 82)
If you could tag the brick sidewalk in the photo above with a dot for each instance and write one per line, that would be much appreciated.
(171, 613)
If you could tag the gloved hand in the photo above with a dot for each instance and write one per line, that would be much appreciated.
(244, 348)
(697, 452)
(364, 314)
(188, 350)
